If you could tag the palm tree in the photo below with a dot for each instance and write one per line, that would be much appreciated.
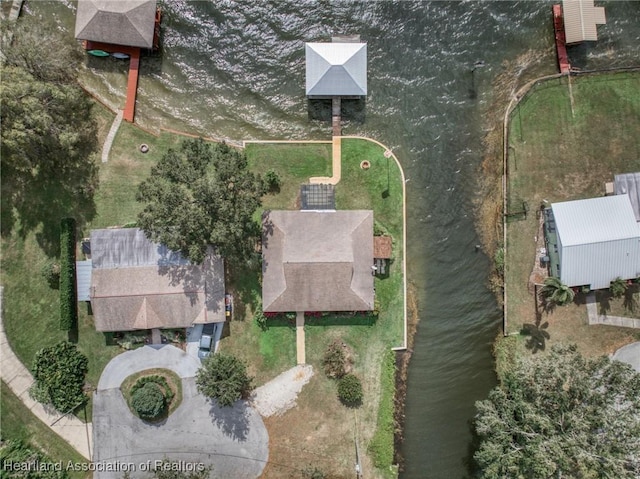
(555, 292)
(618, 287)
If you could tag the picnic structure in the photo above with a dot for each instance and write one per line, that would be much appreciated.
(592, 242)
(120, 28)
(581, 18)
(136, 284)
(306, 269)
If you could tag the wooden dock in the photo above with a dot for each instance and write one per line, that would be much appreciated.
(132, 80)
(561, 42)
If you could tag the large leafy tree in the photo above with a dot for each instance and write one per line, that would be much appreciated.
(562, 415)
(224, 378)
(48, 136)
(202, 195)
(59, 373)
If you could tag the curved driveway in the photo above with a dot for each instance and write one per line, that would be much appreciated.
(233, 441)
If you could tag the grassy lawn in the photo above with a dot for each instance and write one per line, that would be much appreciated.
(19, 423)
(30, 305)
(555, 155)
(320, 429)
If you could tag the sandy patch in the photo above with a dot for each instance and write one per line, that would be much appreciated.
(279, 395)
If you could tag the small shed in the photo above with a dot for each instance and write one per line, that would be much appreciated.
(129, 23)
(580, 20)
(382, 250)
(629, 184)
(336, 69)
(598, 241)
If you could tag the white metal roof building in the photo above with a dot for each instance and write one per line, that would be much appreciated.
(629, 184)
(580, 20)
(598, 241)
(336, 69)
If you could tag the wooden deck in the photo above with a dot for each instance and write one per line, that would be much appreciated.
(132, 81)
(561, 43)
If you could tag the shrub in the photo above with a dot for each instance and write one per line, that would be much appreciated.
(149, 401)
(224, 378)
(618, 287)
(272, 181)
(59, 373)
(261, 319)
(498, 260)
(68, 295)
(335, 360)
(350, 390)
(312, 472)
(51, 273)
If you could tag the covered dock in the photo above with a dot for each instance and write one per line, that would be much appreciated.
(581, 18)
(120, 28)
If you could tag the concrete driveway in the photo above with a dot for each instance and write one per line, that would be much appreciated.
(233, 441)
(629, 354)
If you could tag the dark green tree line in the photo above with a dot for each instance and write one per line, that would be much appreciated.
(561, 415)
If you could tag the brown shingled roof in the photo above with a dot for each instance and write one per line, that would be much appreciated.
(317, 261)
(137, 284)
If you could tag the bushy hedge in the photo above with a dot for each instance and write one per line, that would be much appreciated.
(350, 390)
(150, 396)
(59, 373)
(68, 295)
(149, 401)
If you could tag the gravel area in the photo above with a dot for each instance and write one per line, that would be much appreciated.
(279, 395)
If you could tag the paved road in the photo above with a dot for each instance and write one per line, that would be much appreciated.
(233, 440)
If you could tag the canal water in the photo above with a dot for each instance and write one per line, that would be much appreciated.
(235, 70)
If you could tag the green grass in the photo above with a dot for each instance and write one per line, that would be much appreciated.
(557, 156)
(20, 423)
(381, 446)
(173, 381)
(379, 188)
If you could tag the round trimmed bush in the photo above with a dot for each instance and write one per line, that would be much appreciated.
(149, 401)
(350, 390)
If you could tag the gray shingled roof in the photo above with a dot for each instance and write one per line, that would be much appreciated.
(138, 284)
(336, 69)
(129, 22)
(317, 261)
(629, 184)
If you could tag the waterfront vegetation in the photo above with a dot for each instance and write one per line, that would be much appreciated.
(564, 144)
(323, 428)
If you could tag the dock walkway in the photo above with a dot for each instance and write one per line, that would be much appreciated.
(561, 42)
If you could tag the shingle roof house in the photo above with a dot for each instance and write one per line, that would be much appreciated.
(336, 69)
(138, 284)
(129, 22)
(598, 241)
(317, 261)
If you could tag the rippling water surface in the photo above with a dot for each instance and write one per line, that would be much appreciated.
(235, 69)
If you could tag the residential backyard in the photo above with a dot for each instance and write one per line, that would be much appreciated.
(565, 142)
(320, 431)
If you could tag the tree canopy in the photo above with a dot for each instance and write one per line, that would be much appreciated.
(224, 378)
(202, 195)
(59, 373)
(561, 415)
(48, 136)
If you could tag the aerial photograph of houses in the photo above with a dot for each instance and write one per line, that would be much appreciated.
(319, 240)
